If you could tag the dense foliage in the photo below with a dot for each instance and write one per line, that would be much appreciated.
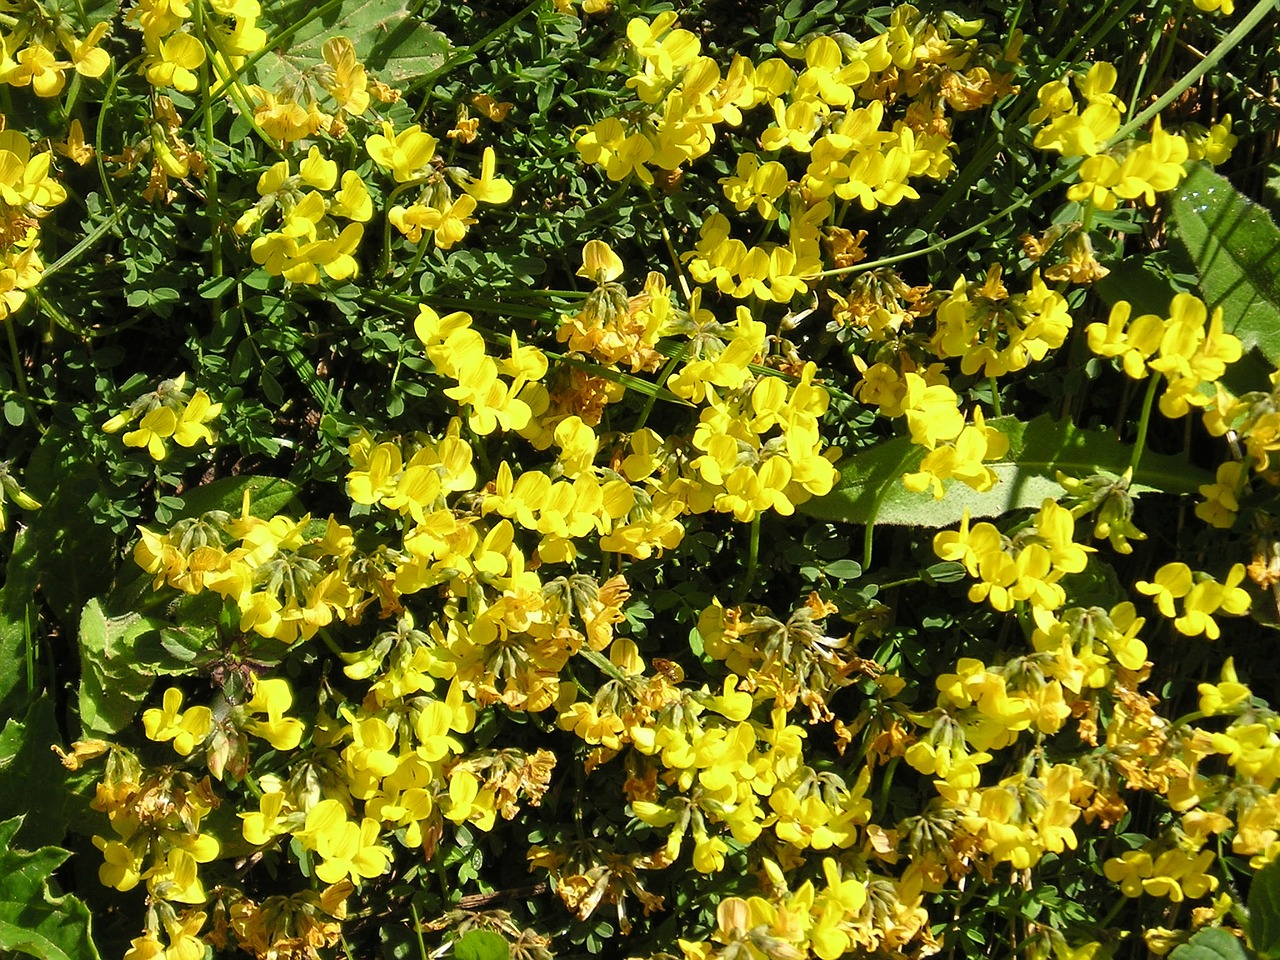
(729, 481)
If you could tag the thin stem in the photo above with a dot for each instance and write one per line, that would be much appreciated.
(89, 239)
(1144, 422)
(1216, 55)
(386, 225)
(417, 929)
(329, 642)
(671, 247)
(211, 166)
(904, 582)
(663, 376)
(273, 44)
(753, 558)
(995, 396)
(404, 282)
(468, 53)
(19, 375)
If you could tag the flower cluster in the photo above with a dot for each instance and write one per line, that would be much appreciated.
(1179, 346)
(373, 691)
(28, 191)
(1112, 171)
(33, 55)
(1201, 596)
(410, 157)
(308, 238)
(291, 114)
(167, 413)
(177, 45)
(1025, 567)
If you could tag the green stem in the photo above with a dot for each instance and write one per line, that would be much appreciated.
(332, 644)
(107, 98)
(211, 166)
(231, 83)
(407, 279)
(1113, 913)
(663, 376)
(386, 226)
(671, 247)
(1145, 61)
(904, 582)
(753, 558)
(417, 929)
(273, 44)
(995, 396)
(15, 356)
(89, 239)
(1144, 422)
(1215, 56)
(468, 53)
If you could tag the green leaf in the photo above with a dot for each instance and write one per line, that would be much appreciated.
(31, 778)
(481, 945)
(387, 38)
(1235, 247)
(20, 577)
(1212, 943)
(871, 491)
(843, 569)
(66, 529)
(1264, 911)
(114, 681)
(945, 571)
(267, 496)
(1132, 280)
(32, 920)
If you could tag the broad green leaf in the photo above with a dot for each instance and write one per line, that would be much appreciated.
(843, 569)
(1235, 247)
(481, 945)
(1132, 280)
(32, 919)
(31, 778)
(114, 681)
(1212, 943)
(1264, 911)
(870, 489)
(267, 496)
(63, 477)
(388, 39)
(20, 577)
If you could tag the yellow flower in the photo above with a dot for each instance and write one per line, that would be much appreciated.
(349, 86)
(406, 154)
(1221, 498)
(174, 62)
(600, 264)
(273, 697)
(190, 428)
(36, 66)
(347, 849)
(89, 59)
(24, 179)
(186, 732)
(1172, 582)
(488, 188)
(157, 426)
(1226, 696)
(267, 823)
(119, 867)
